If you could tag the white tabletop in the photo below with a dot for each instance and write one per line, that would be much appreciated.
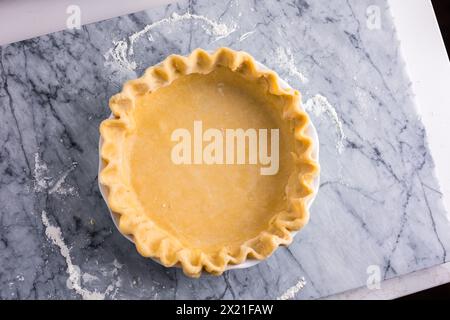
(426, 62)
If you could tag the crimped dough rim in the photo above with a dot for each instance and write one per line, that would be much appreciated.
(153, 241)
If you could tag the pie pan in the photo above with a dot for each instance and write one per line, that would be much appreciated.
(309, 131)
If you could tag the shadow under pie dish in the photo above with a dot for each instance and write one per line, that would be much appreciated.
(206, 215)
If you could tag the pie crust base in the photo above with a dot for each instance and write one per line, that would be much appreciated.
(205, 217)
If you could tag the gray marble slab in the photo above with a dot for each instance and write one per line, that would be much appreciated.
(379, 207)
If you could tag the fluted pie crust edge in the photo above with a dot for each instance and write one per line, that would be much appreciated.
(153, 241)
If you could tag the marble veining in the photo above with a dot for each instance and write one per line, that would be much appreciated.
(379, 202)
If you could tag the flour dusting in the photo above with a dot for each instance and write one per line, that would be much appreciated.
(123, 49)
(88, 278)
(54, 234)
(76, 276)
(117, 265)
(57, 186)
(246, 35)
(211, 27)
(292, 292)
(319, 105)
(114, 287)
(285, 59)
(40, 174)
(119, 54)
(43, 182)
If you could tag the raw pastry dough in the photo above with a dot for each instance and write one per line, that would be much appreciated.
(204, 217)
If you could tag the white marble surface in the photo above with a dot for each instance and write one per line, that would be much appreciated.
(428, 67)
(407, 249)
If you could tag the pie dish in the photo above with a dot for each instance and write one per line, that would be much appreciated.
(205, 216)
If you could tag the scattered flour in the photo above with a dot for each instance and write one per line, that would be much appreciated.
(119, 55)
(123, 49)
(246, 35)
(88, 278)
(57, 186)
(76, 277)
(285, 59)
(117, 265)
(39, 173)
(43, 182)
(113, 288)
(211, 27)
(292, 292)
(319, 105)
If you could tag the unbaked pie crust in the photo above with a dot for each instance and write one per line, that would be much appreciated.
(205, 217)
